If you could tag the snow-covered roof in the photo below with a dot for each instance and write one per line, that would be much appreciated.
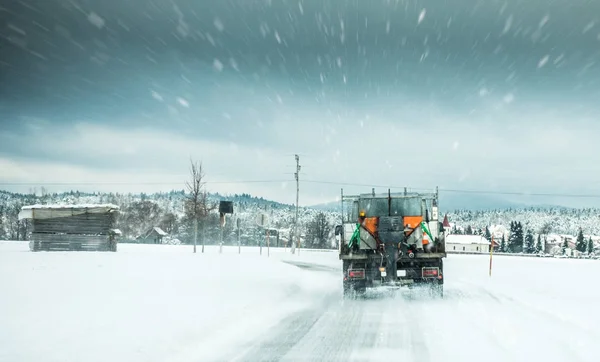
(498, 229)
(160, 231)
(56, 211)
(78, 206)
(466, 239)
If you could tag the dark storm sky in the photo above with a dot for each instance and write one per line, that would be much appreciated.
(492, 95)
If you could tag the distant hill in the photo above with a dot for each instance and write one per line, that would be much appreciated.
(334, 206)
(141, 211)
(453, 201)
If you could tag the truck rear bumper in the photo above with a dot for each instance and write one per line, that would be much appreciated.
(361, 256)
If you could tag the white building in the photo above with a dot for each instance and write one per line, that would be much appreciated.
(499, 231)
(467, 243)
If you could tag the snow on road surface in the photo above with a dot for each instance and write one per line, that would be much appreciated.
(163, 303)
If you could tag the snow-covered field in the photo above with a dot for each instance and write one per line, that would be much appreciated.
(164, 303)
(143, 303)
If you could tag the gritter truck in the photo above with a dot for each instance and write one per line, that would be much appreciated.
(391, 240)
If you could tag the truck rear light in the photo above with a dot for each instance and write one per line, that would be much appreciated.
(356, 274)
(430, 272)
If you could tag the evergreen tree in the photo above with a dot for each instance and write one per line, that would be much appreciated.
(564, 247)
(520, 239)
(488, 235)
(590, 246)
(503, 245)
(529, 246)
(538, 246)
(469, 230)
(454, 230)
(580, 245)
(511, 237)
(516, 238)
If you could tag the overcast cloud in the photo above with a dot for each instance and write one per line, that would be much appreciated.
(486, 95)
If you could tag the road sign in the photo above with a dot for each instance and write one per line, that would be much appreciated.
(226, 207)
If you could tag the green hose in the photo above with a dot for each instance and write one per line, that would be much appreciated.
(355, 237)
(426, 230)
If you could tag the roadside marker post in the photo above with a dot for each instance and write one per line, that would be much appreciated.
(491, 253)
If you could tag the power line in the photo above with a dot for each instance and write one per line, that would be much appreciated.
(514, 193)
(521, 193)
(103, 183)
(324, 182)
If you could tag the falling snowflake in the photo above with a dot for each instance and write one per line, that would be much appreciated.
(157, 96)
(559, 58)
(543, 61)
(183, 102)
(588, 27)
(218, 24)
(210, 39)
(96, 20)
(17, 29)
(422, 16)
(234, 64)
(507, 24)
(509, 98)
(217, 65)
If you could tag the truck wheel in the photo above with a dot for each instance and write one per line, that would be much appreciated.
(347, 290)
(360, 291)
(353, 290)
(437, 290)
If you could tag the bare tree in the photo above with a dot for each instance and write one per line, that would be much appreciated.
(197, 206)
(544, 231)
(319, 231)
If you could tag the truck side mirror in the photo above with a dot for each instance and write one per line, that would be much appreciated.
(338, 230)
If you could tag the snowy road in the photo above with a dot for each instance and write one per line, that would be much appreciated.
(514, 316)
(155, 303)
(465, 327)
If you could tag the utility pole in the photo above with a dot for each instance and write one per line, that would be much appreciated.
(296, 235)
(238, 236)
(203, 233)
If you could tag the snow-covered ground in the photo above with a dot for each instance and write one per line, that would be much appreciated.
(143, 303)
(164, 303)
